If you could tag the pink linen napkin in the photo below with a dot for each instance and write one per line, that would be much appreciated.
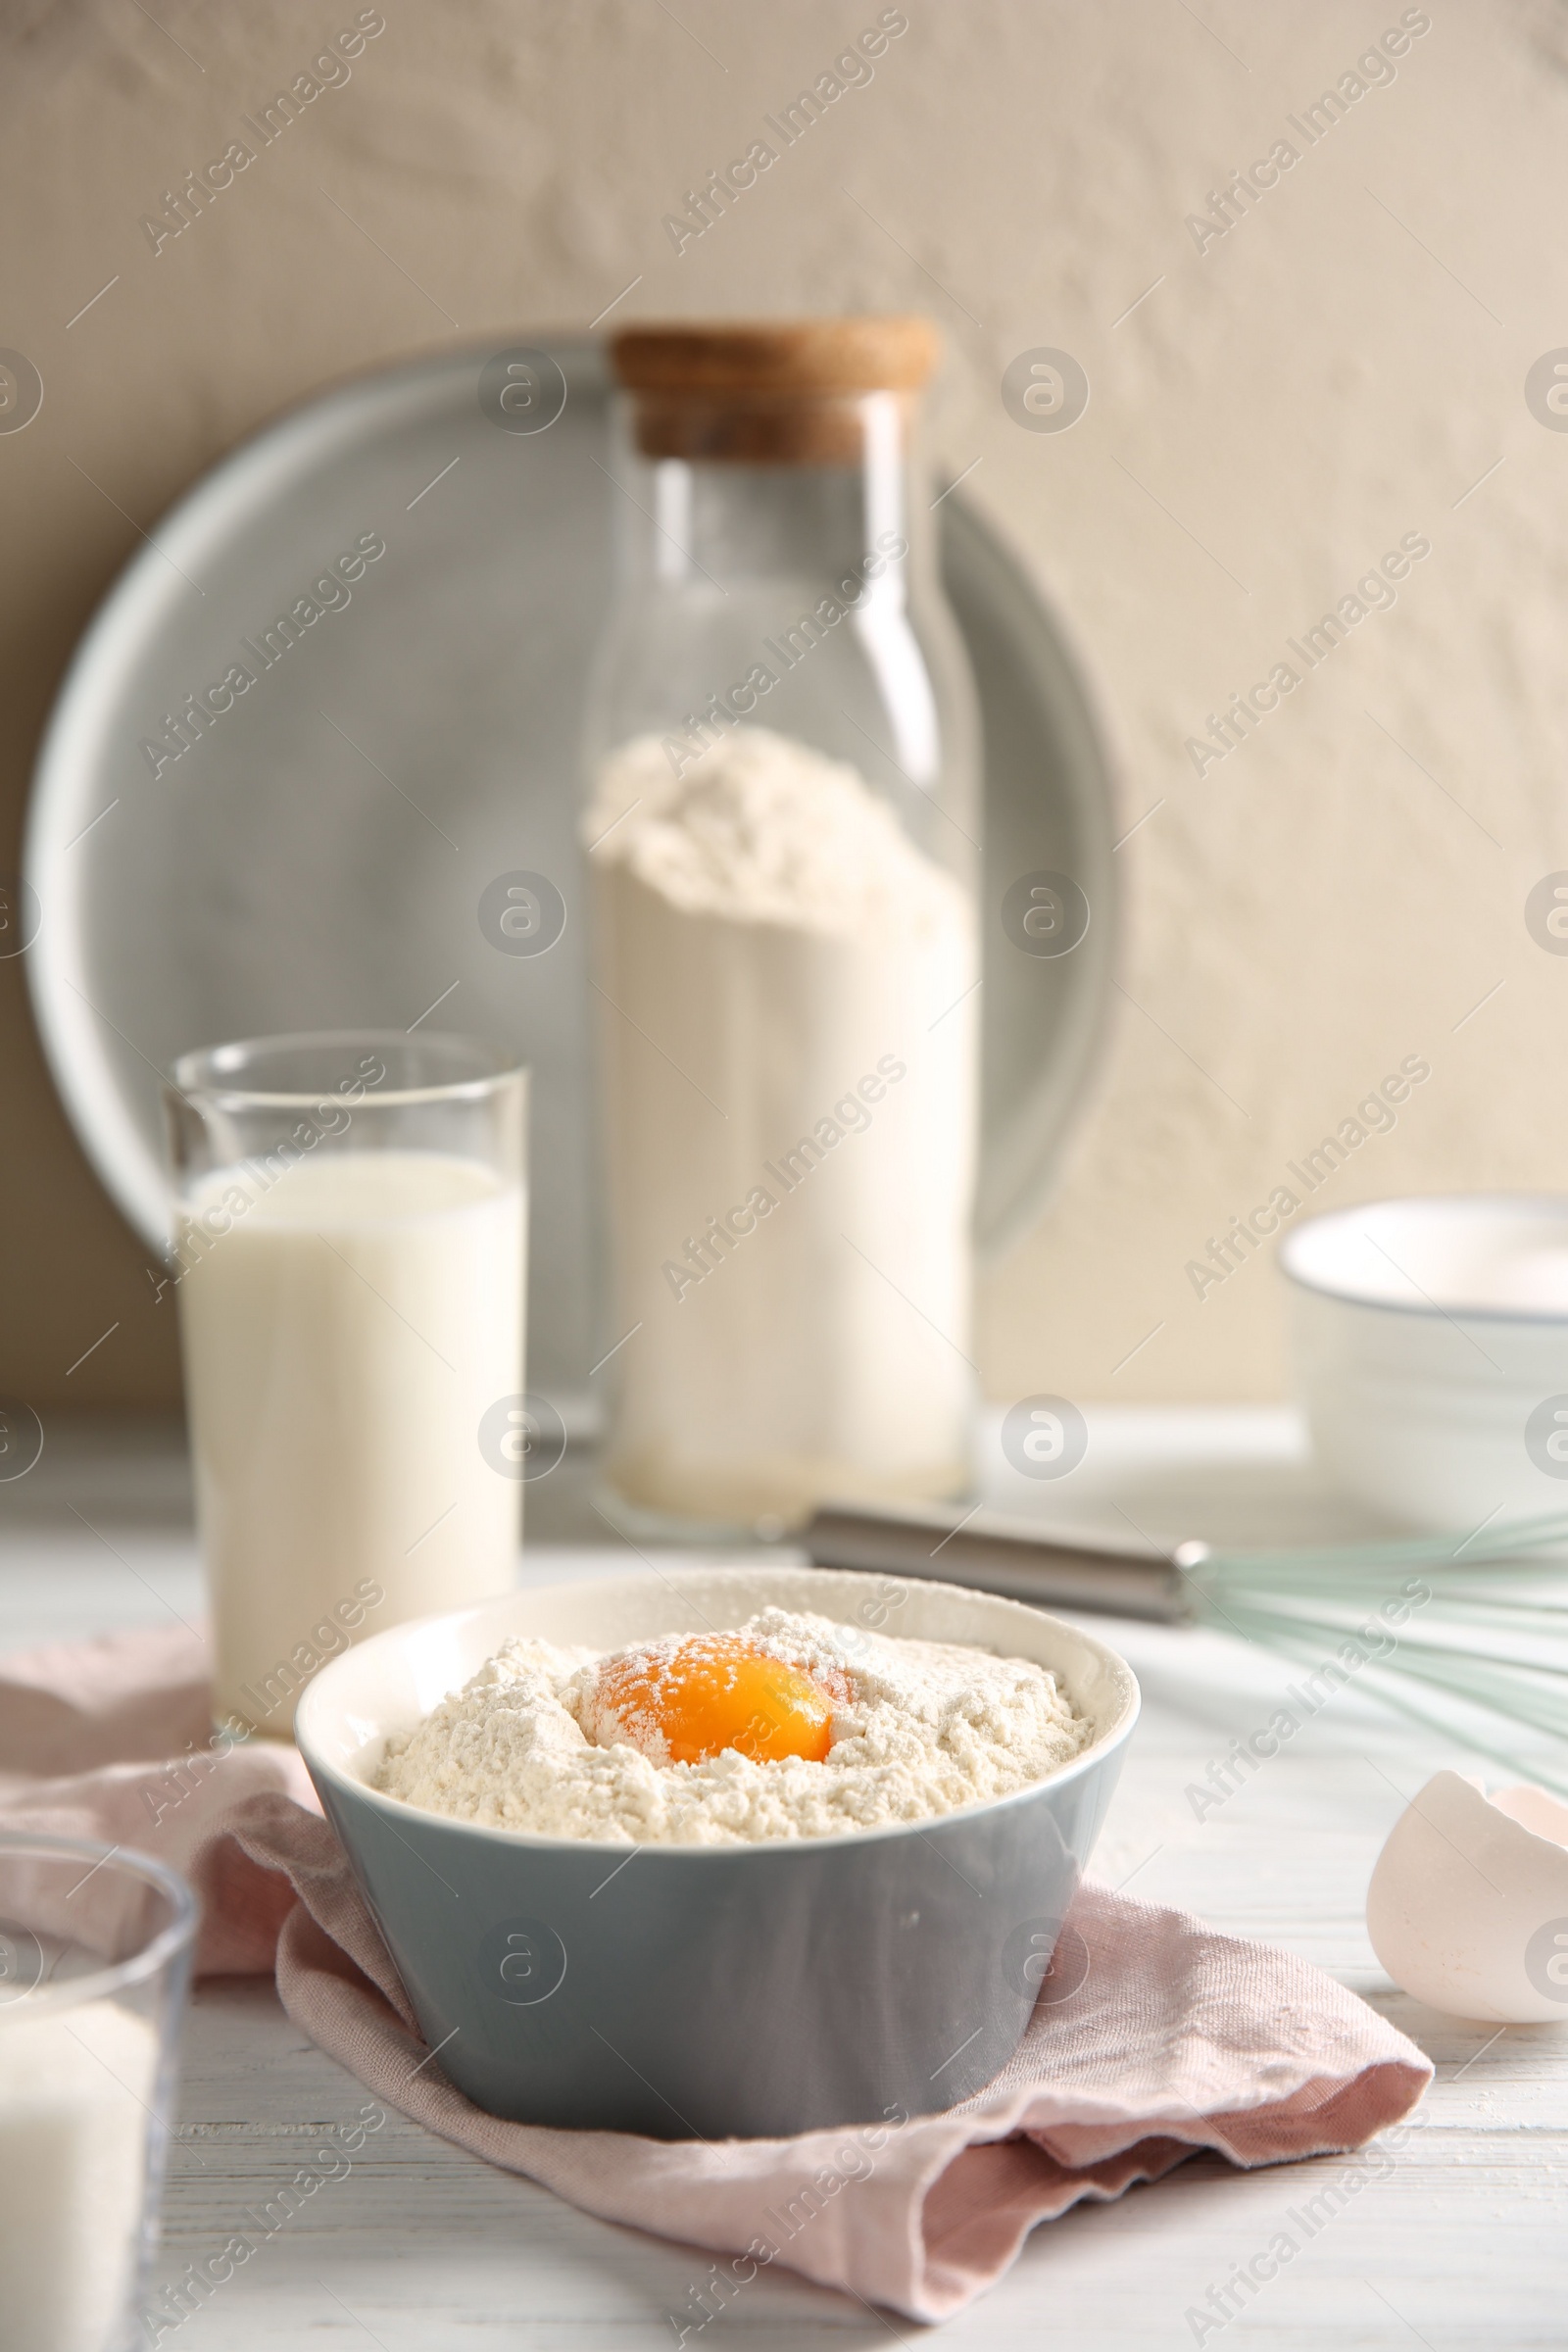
(1157, 2037)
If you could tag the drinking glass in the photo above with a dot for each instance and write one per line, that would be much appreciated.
(348, 1256)
(95, 1954)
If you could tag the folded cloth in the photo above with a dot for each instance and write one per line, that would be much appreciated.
(1153, 2036)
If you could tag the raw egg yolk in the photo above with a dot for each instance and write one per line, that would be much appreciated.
(711, 1693)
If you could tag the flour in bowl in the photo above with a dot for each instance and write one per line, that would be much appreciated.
(571, 1743)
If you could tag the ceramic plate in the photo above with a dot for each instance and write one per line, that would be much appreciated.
(315, 858)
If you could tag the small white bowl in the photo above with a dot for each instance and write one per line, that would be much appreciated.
(1431, 1354)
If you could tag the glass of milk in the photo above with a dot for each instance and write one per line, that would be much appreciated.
(95, 1950)
(347, 1253)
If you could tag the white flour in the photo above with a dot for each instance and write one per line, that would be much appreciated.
(789, 1048)
(76, 2094)
(926, 1727)
(766, 830)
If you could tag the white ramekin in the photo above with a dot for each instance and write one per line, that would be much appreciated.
(1431, 1354)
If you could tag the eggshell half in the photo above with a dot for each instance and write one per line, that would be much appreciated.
(1468, 1905)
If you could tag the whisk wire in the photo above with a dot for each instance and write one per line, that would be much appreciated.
(1479, 1654)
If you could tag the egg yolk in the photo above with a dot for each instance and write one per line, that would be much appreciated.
(711, 1693)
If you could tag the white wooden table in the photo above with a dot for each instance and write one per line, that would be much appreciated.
(1461, 2245)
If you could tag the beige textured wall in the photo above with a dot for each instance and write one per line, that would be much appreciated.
(1337, 370)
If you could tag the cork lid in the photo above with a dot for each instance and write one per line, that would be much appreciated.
(768, 391)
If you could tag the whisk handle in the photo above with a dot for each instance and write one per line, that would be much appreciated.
(997, 1554)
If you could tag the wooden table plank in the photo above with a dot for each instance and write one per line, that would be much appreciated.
(1459, 2241)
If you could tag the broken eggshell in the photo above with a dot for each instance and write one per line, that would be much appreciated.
(1468, 1905)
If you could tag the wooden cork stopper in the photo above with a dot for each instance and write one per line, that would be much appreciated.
(768, 392)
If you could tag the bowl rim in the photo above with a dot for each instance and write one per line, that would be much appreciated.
(1462, 1205)
(312, 1703)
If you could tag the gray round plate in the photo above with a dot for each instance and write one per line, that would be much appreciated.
(315, 858)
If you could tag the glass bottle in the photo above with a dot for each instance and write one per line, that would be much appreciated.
(782, 831)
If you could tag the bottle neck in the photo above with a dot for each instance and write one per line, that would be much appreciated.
(841, 523)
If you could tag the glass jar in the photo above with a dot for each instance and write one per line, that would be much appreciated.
(783, 841)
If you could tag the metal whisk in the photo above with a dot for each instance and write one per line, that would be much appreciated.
(1467, 1636)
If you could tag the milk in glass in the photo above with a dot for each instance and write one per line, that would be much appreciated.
(345, 1327)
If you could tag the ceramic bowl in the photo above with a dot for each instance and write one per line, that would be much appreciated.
(715, 1991)
(1431, 1354)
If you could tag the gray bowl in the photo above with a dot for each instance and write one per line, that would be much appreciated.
(715, 1991)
